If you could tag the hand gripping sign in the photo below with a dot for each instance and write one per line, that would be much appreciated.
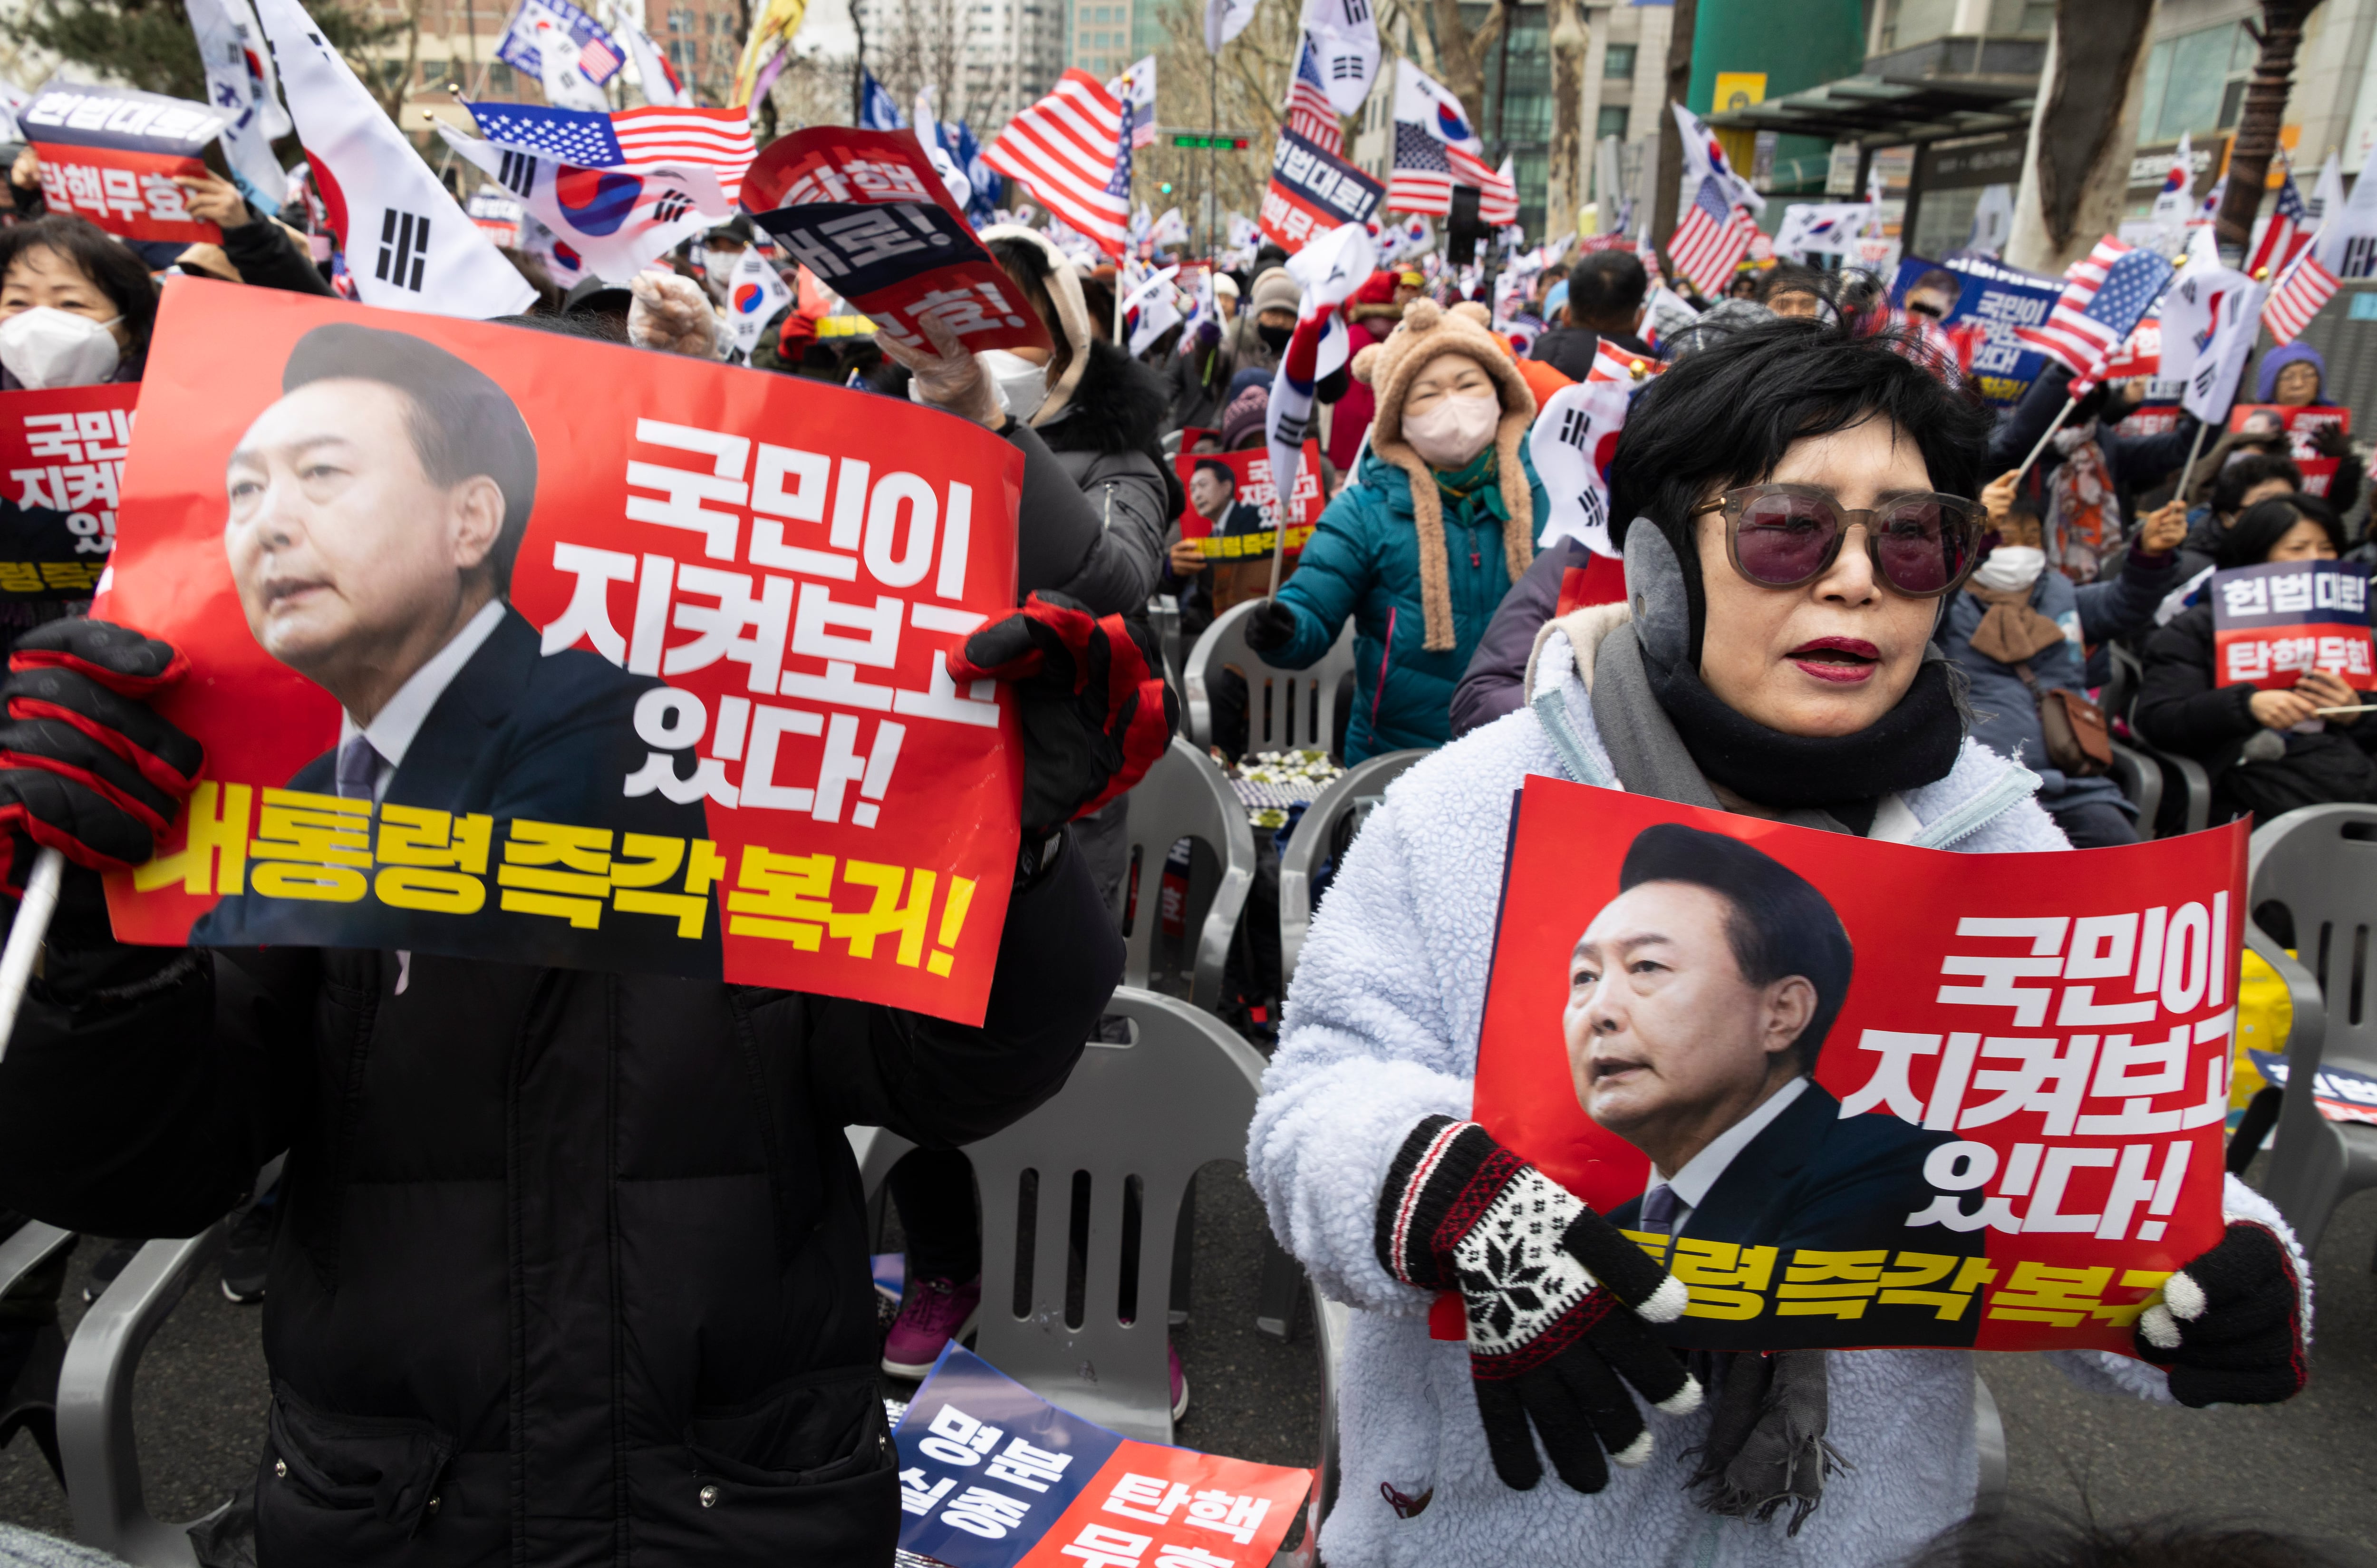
(865, 212)
(992, 1476)
(528, 647)
(110, 154)
(1856, 1092)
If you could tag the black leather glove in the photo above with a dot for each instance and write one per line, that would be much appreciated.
(2330, 441)
(1096, 713)
(2229, 1326)
(1270, 626)
(87, 767)
(1557, 1300)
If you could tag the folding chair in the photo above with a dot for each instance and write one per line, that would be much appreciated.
(33, 1245)
(2143, 769)
(1287, 710)
(2321, 864)
(1184, 795)
(1352, 794)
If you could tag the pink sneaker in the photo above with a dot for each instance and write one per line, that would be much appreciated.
(1180, 1385)
(933, 1313)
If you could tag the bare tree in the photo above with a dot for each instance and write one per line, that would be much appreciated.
(812, 90)
(2279, 35)
(1244, 89)
(922, 46)
(1668, 176)
(2075, 174)
(1565, 185)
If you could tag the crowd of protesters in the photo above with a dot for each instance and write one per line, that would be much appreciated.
(445, 1388)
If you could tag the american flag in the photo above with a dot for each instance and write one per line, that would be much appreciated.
(1498, 198)
(1426, 170)
(1309, 112)
(1711, 237)
(2105, 294)
(633, 140)
(2305, 287)
(1070, 148)
(598, 60)
(2288, 232)
(1611, 362)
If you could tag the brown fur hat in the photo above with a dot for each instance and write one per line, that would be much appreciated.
(1428, 332)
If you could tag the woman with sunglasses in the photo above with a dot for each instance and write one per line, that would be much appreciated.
(1797, 509)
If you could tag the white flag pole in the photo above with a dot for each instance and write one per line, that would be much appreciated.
(26, 935)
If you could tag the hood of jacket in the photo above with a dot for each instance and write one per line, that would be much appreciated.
(1115, 404)
(1072, 321)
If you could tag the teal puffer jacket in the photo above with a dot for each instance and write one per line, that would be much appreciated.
(1363, 560)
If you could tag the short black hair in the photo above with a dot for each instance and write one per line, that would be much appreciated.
(2034, 1536)
(462, 424)
(1725, 416)
(1606, 287)
(1939, 278)
(1780, 924)
(1790, 278)
(2242, 473)
(1217, 466)
(2248, 541)
(107, 261)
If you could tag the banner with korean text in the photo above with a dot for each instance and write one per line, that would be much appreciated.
(864, 213)
(2275, 623)
(110, 154)
(2304, 425)
(534, 648)
(1231, 511)
(1312, 192)
(1859, 1093)
(62, 450)
(992, 1476)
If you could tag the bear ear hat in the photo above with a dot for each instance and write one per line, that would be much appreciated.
(1366, 362)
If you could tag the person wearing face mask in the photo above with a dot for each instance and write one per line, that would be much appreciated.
(2018, 630)
(1259, 334)
(1789, 514)
(719, 252)
(1421, 547)
(76, 306)
(2268, 752)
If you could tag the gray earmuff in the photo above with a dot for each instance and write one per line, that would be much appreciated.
(1654, 588)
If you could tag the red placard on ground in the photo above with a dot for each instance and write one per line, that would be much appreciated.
(2012, 1134)
(61, 451)
(708, 730)
(2272, 624)
(1248, 528)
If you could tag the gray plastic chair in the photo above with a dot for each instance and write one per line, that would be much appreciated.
(2138, 766)
(1287, 710)
(1355, 793)
(1164, 619)
(1186, 796)
(2320, 863)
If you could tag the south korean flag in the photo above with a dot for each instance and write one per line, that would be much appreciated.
(755, 292)
(407, 245)
(616, 222)
(1573, 440)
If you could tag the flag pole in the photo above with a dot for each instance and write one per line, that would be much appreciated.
(2061, 415)
(26, 935)
(2186, 469)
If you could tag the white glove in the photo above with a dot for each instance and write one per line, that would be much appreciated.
(673, 314)
(949, 377)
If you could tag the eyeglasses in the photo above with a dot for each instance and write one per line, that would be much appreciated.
(1784, 535)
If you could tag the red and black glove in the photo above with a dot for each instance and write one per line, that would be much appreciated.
(1095, 708)
(1557, 1299)
(87, 767)
(2229, 1327)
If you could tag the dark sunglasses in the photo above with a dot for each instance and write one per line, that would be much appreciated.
(1930, 310)
(1784, 535)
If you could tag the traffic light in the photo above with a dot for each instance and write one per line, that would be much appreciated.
(1221, 142)
(1165, 188)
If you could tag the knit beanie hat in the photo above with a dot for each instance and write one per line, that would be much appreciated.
(1242, 421)
(2277, 359)
(1428, 333)
(1276, 291)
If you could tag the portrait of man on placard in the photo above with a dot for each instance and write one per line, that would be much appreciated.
(1698, 1003)
(375, 514)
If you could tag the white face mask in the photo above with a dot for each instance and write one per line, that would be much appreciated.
(1022, 386)
(2010, 568)
(42, 348)
(718, 268)
(1454, 429)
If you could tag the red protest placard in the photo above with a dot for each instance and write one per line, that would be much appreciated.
(1312, 191)
(2273, 624)
(2013, 1132)
(62, 453)
(110, 154)
(1232, 504)
(2301, 425)
(865, 212)
(706, 727)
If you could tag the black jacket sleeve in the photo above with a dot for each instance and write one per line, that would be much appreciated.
(1056, 528)
(939, 1083)
(2011, 441)
(2179, 708)
(1490, 686)
(2141, 463)
(144, 1086)
(267, 258)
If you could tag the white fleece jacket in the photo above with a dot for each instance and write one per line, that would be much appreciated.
(1381, 1031)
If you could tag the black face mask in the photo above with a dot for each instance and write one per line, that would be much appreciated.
(1275, 337)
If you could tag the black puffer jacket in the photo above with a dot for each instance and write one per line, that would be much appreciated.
(571, 1268)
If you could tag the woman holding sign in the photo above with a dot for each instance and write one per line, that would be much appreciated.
(1793, 505)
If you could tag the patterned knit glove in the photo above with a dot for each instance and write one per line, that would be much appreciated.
(2229, 1326)
(1556, 1302)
